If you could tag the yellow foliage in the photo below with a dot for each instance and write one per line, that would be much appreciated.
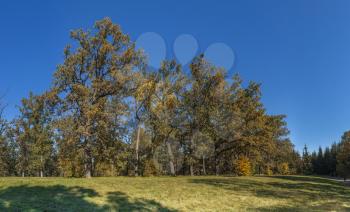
(243, 166)
(145, 88)
(171, 101)
(284, 169)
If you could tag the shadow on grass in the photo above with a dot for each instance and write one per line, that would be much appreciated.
(120, 202)
(61, 198)
(298, 192)
(308, 179)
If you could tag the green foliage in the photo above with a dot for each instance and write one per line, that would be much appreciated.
(306, 163)
(343, 157)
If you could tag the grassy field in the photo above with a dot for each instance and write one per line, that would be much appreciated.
(278, 193)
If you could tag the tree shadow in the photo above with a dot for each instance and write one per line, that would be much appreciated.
(62, 198)
(301, 193)
(118, 201)
(311, 179)
(50, 198)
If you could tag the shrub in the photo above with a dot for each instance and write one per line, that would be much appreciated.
(243, 166)
(150, 169)
(269, 171)
(283, 169)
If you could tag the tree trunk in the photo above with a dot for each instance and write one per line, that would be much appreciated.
(203, 163)
(191, 152)
(88, 173)
(191, 169)
(41, 166)
(137, 150)
(112, 169)
(171, 159)
(216, 158)
(88, 164)
(216, 165)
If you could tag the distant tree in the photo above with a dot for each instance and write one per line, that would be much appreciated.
(333, 159)
(343, 157)
(327, 157)
(3, 122)
(7, 145)
(34, 136)
(306, 161)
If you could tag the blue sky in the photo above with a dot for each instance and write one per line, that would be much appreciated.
(299, 50)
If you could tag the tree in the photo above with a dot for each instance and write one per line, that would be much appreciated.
(145, 86)
(333, 159)
(34, 134)
(162, 107)
(343, 157)
(196, 109)
(203, 149)
(202, 104)
(3, 122)
(98, 71)
(7, 146)
(307, 165)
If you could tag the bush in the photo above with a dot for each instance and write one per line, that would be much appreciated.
(283, 169)
(243, 166)
(150, 169)
(269, 171)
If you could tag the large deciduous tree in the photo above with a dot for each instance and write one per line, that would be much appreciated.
(97, 72)
(163, 111)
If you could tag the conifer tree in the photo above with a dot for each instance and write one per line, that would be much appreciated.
(306, 164)
(343, 157)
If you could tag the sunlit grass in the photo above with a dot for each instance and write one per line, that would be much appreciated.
(279, 193)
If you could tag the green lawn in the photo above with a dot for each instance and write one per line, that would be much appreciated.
(279, 193)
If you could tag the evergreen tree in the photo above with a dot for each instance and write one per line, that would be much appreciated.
(343, 156)
(307, 163)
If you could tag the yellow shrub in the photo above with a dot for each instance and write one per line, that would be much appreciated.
(283, 169)
(243, 166)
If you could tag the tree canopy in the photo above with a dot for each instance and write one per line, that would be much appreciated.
(108, 113)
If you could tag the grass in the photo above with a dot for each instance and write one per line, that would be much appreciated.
(278, 193)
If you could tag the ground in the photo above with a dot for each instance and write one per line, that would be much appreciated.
(277, 193)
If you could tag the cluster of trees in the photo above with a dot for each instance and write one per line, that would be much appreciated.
(332, 161)
(107, 113)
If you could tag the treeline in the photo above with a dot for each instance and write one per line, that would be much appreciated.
(332, 161)
(107, 113)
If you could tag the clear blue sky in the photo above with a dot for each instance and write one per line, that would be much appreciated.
(299, 50)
